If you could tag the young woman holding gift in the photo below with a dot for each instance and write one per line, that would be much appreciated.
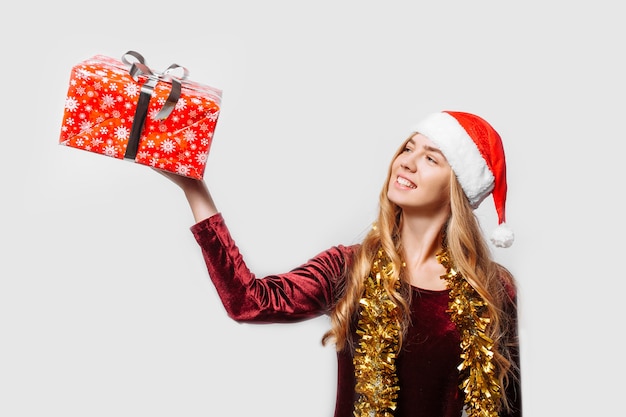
(423, 319)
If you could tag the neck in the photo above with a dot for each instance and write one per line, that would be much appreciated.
(421, 239)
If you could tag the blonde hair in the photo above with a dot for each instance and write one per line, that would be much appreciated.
(468, 250)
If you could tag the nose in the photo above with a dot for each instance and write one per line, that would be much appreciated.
(408, 163)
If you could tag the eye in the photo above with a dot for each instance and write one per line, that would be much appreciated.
(431, 159)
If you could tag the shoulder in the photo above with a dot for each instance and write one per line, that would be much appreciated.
(341, 254)
(348, 250)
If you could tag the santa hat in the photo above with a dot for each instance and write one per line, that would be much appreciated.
(474, 150)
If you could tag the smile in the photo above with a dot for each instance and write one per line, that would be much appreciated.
(405, 183)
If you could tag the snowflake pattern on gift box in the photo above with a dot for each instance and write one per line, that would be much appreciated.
(100, 108)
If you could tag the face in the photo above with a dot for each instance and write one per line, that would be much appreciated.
(420, 177)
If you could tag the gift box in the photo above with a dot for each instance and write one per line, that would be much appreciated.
(125, 110)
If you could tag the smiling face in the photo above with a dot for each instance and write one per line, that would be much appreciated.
(420, 177)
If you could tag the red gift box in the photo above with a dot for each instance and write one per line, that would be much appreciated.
(125, 110)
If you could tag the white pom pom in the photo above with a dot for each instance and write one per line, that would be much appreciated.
(502, 236)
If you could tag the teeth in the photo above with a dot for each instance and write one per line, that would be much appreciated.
(405, 182)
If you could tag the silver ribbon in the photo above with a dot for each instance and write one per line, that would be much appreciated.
(137, 69)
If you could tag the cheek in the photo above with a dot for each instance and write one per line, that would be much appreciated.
(395, 167)
(445, 192)
(441, 180)
(445, 187)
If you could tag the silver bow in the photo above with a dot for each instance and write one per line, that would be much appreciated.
(137, 69)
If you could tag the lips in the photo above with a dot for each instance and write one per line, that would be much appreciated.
(405, 183)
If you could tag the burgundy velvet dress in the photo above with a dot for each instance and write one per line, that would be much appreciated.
(427, 364)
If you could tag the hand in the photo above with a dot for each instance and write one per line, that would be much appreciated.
(185, 183)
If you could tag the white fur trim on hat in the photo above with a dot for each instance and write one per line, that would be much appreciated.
(462, 154)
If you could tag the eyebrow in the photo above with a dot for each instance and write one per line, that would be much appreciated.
(433, 149)
(428, 147)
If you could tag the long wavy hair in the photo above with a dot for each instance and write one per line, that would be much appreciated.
(470, 253)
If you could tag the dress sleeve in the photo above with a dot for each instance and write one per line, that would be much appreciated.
(302, 293)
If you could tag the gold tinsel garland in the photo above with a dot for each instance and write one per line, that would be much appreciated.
(379, 331)
(468, 312)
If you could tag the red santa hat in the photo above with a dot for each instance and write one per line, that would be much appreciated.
(474, 150)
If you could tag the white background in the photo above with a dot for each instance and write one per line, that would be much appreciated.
(105, 306)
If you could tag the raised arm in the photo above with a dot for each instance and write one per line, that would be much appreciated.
(304, 292)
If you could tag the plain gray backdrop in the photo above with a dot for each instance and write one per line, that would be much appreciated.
(106, 308)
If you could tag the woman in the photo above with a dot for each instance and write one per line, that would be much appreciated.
(423, 320)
